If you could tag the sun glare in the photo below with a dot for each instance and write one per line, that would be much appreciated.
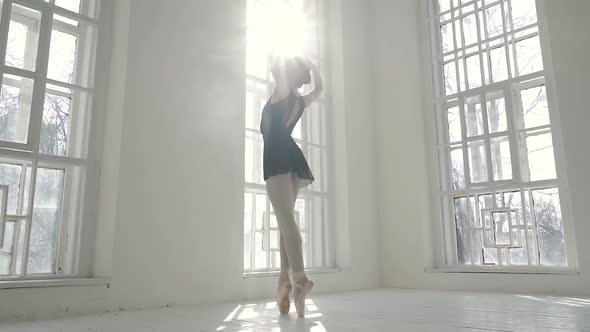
(280, 27)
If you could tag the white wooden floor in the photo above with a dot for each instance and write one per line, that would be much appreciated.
(373, 310)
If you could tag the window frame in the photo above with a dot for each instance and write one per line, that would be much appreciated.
(73, 256)
(443, 237)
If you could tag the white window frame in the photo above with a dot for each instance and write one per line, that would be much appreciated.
(319, 256)
(444, 234)
(80, 172)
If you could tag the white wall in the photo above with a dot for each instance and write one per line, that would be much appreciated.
(170, 229)
(404, 156)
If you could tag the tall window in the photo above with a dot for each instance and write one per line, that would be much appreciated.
(499, 190)
(47, 51)
(283, 27)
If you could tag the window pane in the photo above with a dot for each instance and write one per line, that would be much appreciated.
(478, 161)
(486, 68)
(65, 122)
(300, 218)
(6, 251)
(55, 128)
(71, 54)
(496, 108)
(541, 157)
(501, 160)
(549, 227)
(444, 5)
(524, 12)
(259, 215)
(462, 80)
(260, 210)
(312, 117)
(458, 37)
(248, 199)
(494, 21)
(534, 107)
(62, 56)
(446, 33)
(450, 78)
(46, 220)
(529, 56)
(254, 153)
(274, 240)
(257, 57)
(64, 19)
(314, 157)
(10, 175)
(23, 38)
(15, 108)
(498, 62)
(501, 229)
(300, 213)
(473, 116)
(474, 72)
(8, 236)
(454, 124)
(256, 98)
(84, 7)
(4, 264)
(470, 29)
(73, 5)
(457, 169)
(463, 230)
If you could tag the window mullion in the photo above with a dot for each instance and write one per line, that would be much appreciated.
(28, 222)
(487, 140)
(512, 111)
(520, 136)
(67, 244)
(266, 233)
(36, 119)
(506, 41)
(34, 4)
(479, 45)
(466, 167)
(456, 52)
(253, 231)
(39, 86)
(15, 246)
(4, 24)
(308, 231)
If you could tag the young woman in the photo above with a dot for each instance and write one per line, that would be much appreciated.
(286, 170)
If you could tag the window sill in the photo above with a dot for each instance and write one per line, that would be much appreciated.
(255, 274)
(504, 270)
(10, 284)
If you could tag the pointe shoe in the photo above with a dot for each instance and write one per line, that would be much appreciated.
(283, 300)
(300, 294)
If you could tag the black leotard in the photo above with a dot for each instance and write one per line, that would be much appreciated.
(281, 152)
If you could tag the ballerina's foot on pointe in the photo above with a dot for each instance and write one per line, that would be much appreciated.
(283, 301)
(301, 291)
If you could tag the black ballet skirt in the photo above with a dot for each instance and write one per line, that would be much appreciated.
(281, 153)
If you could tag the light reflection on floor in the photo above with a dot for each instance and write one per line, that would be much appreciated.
(252, 316)
(569, 301)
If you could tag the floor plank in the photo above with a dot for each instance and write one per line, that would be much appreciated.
(370, 310)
